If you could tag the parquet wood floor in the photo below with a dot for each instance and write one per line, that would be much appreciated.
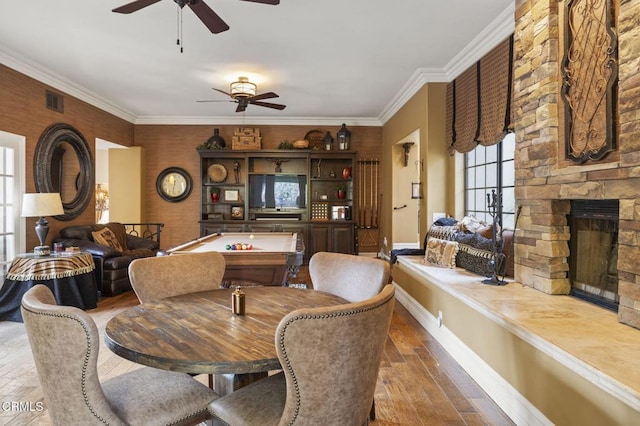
(418, 384)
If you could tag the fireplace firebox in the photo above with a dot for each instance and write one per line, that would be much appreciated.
(593, 248)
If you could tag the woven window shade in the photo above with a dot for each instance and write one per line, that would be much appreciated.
(479, 101)
(449, 118)
(465, 110)
(495, 94)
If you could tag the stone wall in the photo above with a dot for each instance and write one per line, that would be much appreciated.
(545, 181)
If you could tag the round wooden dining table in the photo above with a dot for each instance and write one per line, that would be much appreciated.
(198, 333)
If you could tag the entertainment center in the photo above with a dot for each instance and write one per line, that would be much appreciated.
(311, 192)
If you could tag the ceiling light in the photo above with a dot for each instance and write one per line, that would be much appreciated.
(242, 88)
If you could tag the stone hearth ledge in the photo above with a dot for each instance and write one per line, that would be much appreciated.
(583, 337)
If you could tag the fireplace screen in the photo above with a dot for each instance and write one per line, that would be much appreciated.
(594, 252)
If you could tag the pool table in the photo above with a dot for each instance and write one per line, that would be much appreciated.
(274, 255)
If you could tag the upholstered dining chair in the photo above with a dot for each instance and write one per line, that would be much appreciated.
(330, 358)
(64, 341)
(353, 278)
(154, 278)
(159, 277)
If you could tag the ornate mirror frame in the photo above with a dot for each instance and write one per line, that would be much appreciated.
(43, 158)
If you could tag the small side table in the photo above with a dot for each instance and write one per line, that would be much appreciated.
(69, 276)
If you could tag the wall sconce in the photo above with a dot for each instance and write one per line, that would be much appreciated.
(102, 202)
(407, 147)
(416, 190)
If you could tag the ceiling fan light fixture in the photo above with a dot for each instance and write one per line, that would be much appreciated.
(242, 88)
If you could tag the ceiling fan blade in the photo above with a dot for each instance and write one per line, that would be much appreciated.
(241, 107)
(222, 91)
(268, 95)
(268, 105)
(216, 100)
(273, 2)
(134, 5)
(208, 17)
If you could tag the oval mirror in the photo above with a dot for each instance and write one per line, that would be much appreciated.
(63, 163)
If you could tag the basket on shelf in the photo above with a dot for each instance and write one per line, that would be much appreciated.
(315, 138)
(301, 144)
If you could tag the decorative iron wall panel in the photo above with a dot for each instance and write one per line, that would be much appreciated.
(589, 79)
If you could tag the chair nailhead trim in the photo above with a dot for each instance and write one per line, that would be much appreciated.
(85, 365)
(305, 317)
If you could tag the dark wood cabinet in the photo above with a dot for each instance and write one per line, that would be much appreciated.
(333, 238)
(306, 191)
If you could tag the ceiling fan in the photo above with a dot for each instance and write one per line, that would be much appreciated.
(243, 92)
(205, 13)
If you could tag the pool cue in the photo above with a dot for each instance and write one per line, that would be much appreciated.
(360, 193)
(374, 221)
(368, 203)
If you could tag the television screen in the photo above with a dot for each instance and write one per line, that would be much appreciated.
(277, 191)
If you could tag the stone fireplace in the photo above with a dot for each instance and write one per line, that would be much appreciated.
(546, 182)
(593, 251)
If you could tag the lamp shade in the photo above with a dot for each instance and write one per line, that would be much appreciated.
(42, 204)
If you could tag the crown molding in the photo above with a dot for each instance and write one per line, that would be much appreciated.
(499, 29)
(264, 121)
(493, 34)
(29, 68)
(418, 79)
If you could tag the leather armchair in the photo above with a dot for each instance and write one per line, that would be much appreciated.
(111, 264)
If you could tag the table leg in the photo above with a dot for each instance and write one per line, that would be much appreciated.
(227, 383)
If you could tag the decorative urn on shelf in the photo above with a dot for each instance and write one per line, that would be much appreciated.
(346, 173)
(216, 141)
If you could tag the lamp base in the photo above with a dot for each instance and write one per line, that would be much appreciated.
(42, 250)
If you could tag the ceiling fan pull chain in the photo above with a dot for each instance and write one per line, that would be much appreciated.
(179, 40)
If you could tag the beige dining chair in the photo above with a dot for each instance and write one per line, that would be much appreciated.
(64, 341)
(159, 277)
(154, 278)
(353, 278)
(330, 358)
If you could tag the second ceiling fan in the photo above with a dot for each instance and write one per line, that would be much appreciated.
(209, 18)
(243, 92)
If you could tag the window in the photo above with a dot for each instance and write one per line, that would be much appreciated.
(491, 168)
(12, 233)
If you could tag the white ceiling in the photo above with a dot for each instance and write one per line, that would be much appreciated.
(331, 61)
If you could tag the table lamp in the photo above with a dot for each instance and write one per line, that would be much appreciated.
(40, 205)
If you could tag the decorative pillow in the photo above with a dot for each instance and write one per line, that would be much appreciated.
(441, 252)
(106, 237)
(471, 224)
(475, 254)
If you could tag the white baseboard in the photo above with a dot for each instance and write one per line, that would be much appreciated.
(398, 246)
(517, 407)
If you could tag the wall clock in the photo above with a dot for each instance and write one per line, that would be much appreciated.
(174, 184)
